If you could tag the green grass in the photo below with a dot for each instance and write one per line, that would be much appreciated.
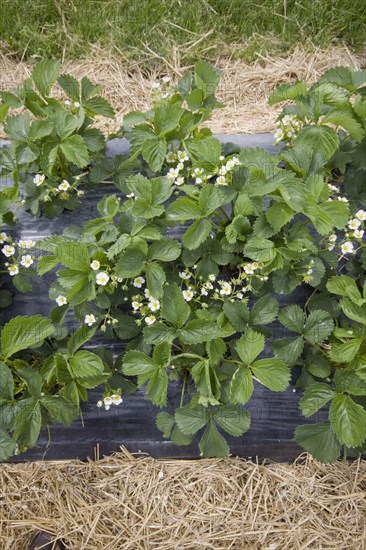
(70, 28)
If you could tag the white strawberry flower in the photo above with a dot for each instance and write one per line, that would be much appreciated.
(22, 244)
(354, 224)
(347, 248)
(64, 186)
(76, 104)
(116, 399)
(180, 166)
(198, 171)
(39, 179)
(212, 277)
(230, 164)
(8, 250)
(204, 291)
(279, 135)
(136, 305)
(236, 161)
(30, 243)
(223, 171)
(95, 265)
(358, 234)
(138, 282)
(89, 320)
(13, 270)
(170, 157)
(248, 268)
(173, 173)
(188, 295)
(342, 199)
(147, 293)
(182, 156)
(240, 295)
(26, 260)
(61, 300)
(102, 278)
(154, 304)
(184, 275)
(179, 181)
(130, 195)
(199, 181)
(221, 180)
(3, 237)
(332, 238)
(225, 288)
(333, 188)
(150, 319)
(100, 404)
(361, 215)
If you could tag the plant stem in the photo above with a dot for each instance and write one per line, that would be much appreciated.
(183, 388)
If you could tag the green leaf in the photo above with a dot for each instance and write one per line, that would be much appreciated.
(292, 317)
(344, 117)
(70, 86)
(337, 211)
(272, 373)
(348, 381)
(94, 139)
(73, 255)
(166, 118)
(243, 205)
(206, 151)
(318, 326)
(278, 215)
(238, 314)
(45, 74)
(27, 424)
(46, 263)
(346, 352)
(60, 409)
(80, 337)
(189, 420)
(318, 138)
(165, 423)
(75, 151)
(317, 364)
(174, 308)
(249, 346)
(241, 386)
(206, 77)
(212, 443)
(26, 153)
(7, 446)
(17, 127)
(354, 312)
(179, 438)
(264, 311)
(165, 250)
(315, 397)
(260, 250)
(210, 199)
(155, 278)
(131, 263)
(157, 333)
(348, 420)
(33, 380)
(288, 349)
(85, 366)
(7, 382)
(153, 152)
(345, 286)
(198, 331)
(40, 129)
(136, 363)
(196, 234)
(284, 92)
(99, 106)
(234, 420)
(24, 332)
(185, 208)
(319, 440)
(157, 387)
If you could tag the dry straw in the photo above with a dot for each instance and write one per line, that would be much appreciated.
(244, 87)
(128, 502)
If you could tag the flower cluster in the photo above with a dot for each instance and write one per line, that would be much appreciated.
(62, 190)
(145, 304)
(161, 89)
(108, 400)
(15, 251)
(355, 231)
(286, 128)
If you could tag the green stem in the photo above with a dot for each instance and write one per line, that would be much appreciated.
(183, 388)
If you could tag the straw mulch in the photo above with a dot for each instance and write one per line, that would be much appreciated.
(244, 87)
(128, 502)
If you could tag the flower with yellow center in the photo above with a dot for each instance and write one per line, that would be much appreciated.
(102, 278)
